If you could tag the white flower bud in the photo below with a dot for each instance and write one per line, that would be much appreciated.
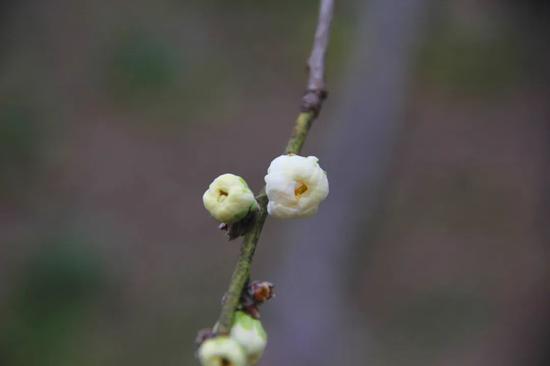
(221, 351)
(250, 334)
(228, 199)
(295, 186)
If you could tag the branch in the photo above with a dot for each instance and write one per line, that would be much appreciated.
(311, 106)
(316, 92)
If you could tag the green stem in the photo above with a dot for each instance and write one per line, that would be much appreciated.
(241, 273)
(299, 133)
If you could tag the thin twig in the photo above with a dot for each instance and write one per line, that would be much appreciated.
(311, 105)
(316, 92)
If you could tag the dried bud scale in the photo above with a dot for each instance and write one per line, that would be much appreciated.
(261, 291)
(255, 294)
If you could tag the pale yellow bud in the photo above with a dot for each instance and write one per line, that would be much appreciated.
(228, 199)
(250, 334)
(221, 351)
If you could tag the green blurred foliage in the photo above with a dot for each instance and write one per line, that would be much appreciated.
(20, 139)
(161, 82)
(141, 67)
(464, 63)
(51, 305)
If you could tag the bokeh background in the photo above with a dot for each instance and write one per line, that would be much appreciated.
(430, 250)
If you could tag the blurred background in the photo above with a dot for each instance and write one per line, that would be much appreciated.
(430, 250)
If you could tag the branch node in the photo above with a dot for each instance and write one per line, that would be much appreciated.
(313, 100)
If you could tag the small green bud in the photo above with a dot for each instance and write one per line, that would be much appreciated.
(221, 351)
(250, 334)
(228, 199)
